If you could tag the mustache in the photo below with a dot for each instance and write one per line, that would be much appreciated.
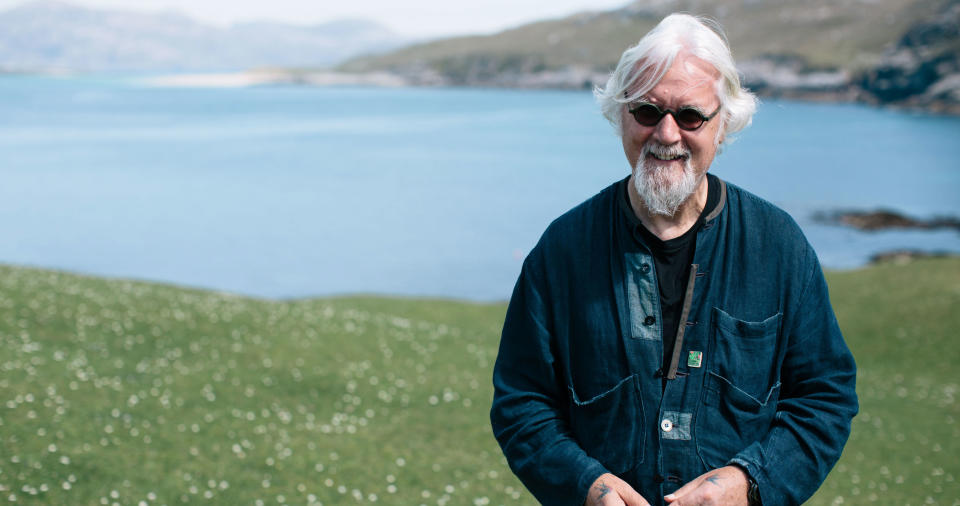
(664, 151)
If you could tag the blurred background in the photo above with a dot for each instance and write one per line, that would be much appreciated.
(282, 150)
(294, 162)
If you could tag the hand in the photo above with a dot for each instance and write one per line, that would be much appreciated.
(608, 490)
(726, 486)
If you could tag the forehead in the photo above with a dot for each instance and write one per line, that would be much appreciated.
(689, 80)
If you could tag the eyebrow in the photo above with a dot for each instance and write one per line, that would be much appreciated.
(645, 100)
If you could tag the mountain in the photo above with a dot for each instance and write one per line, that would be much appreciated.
(47, 34)
(884, 51)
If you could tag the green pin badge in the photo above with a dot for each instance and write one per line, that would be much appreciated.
(694, 358)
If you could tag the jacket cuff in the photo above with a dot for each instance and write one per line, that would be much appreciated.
(758, 475)
(587, 477)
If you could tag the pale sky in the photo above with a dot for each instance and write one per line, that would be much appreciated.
(416, 18)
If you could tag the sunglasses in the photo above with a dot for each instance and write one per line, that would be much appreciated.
(687, 118)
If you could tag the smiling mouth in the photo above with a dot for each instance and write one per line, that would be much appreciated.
(663, 153)
(666, 157)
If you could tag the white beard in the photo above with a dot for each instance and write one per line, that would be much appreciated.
(661, 190)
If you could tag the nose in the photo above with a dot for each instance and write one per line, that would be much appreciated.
(667, 132)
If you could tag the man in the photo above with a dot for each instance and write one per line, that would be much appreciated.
(671, 340)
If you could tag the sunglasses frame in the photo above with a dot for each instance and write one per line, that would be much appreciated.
(663, 112)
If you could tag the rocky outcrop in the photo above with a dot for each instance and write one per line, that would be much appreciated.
(789, 76)
(884, 219)
(905, 256)
(923, 69)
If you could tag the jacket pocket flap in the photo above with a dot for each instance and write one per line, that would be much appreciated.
(746, 329)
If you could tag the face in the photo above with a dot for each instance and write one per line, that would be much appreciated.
(668, 162)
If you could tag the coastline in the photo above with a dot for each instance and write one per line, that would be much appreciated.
(261, 77)
(822, 87)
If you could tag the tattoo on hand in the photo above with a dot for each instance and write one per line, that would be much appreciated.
(714, 480)
(604, 490)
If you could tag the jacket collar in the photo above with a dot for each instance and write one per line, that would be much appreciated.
(720, 203)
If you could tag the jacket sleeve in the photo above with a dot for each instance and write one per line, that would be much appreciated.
(817, 402)
(527, 415)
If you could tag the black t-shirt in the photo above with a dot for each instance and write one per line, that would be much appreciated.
(672, 260)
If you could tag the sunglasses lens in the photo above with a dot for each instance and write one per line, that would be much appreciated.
(647, 115)
(689, 119)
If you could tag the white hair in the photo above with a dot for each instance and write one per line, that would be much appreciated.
(642, 66)
(660, 188)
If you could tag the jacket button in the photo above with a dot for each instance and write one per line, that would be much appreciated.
(666, 425)
(645, 268)
(650, 320)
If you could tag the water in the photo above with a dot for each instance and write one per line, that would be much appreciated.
(292, 191)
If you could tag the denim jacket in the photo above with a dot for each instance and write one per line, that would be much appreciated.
(760, 376)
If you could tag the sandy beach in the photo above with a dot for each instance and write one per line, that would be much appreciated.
(267, 77)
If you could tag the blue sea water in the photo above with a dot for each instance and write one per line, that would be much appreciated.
(289, 191)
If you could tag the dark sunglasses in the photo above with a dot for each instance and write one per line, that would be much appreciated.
(687, 118)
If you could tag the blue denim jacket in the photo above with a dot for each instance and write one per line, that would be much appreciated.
(761, 376)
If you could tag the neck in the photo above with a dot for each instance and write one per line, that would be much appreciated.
(670, 227)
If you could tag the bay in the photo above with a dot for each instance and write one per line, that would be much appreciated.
(290, 191)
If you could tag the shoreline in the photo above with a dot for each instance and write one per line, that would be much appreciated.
(896, 257)
(565, 80)
(270, 77)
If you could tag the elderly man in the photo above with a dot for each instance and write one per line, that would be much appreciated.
(671, 340)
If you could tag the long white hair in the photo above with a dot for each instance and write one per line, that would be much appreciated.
(642, 66)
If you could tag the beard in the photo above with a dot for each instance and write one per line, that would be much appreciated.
(660, 188)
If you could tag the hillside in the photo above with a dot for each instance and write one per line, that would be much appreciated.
(901, 51)
(120, 392)
(52, 35)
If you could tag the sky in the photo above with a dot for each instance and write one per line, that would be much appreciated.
(414, 18)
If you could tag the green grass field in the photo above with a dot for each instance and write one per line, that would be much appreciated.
(118, 392)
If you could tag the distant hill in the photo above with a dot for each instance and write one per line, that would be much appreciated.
(47, 34)
(901, 51)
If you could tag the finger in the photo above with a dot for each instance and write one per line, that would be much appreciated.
(637, 501)
(684, 490)
(689, 497)
(612, 500)
(624, 493)
(633, 498)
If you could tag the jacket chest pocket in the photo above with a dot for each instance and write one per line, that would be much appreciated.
(609, 427)
(744, 352)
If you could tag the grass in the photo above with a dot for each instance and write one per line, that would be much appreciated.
(119, 392)
(901, 324)
(823, 33)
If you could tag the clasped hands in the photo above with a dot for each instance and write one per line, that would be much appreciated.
(726, 486)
